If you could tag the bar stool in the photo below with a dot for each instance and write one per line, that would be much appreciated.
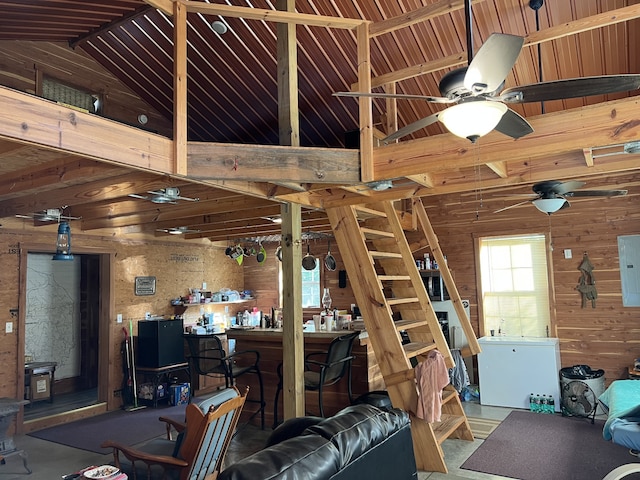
(319, 374)
(214, 361)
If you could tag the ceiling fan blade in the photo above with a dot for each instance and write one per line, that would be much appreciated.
(513, 125)
(412, 127)
(404, 96)
(563, 188)
(512, 206)
(570, 88)
(597, 193)
(492, 63)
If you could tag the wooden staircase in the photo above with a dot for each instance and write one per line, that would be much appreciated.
(386, 283)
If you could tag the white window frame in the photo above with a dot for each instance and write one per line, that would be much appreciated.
(513, 309)
(311, 287)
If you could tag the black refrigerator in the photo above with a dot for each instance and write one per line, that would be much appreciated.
(160, 343)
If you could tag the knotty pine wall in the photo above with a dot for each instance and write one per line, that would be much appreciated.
(606, 337)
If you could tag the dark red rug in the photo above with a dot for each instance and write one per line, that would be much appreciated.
(532, 446)
(129, 428)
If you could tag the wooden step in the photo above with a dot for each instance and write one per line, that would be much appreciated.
(446, 426)
(401, 301)
(366, 212)
(414, 349)
(409, 324)
(373, 233)
(375, 254)
(394, 278)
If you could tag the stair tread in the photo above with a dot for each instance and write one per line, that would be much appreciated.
(409, 324)
(390, 278)
(400, 301)
(372, 232)
(366, 212)
(378, 254)
(414, 349)
(447, 425)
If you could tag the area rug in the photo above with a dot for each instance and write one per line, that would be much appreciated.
(128, 428)
(531, 446)
(482, 427)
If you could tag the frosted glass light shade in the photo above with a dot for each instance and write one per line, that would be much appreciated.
(549, 205)
(472, 119)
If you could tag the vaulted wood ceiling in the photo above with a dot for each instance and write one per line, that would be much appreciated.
(232, 98)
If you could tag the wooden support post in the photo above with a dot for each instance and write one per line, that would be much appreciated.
(179, 88)
(366, 112)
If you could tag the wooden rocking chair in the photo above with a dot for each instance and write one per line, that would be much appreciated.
(198, 452)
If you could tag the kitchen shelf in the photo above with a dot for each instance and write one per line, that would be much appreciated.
(201, 304)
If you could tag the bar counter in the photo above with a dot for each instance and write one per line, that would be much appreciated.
(268, 341)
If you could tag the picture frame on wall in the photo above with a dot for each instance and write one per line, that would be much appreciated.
(145, 286)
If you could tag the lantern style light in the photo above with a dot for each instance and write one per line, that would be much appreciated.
(63, 243)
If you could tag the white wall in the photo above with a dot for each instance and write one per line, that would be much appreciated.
(52, 330)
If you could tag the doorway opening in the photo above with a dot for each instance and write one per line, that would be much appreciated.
(64, 311)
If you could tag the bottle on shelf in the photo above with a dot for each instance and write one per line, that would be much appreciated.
(532, 402)
(544, 404)
(427, 261)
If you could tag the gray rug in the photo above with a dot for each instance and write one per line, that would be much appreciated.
(128, 428)
(531, 446)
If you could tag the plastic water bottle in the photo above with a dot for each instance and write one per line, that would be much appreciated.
(552, 405)
(544, 405)
(532, 402)
(537, 404)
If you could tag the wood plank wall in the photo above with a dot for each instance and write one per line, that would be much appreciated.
(606, 337)
(21, 62)
(263, 279)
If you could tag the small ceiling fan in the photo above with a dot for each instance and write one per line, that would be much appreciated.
(177, 230)
(479, 108)
(165, 195)
(48, 215)
(551, 195)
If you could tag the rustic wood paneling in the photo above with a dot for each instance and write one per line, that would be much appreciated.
(607, 336)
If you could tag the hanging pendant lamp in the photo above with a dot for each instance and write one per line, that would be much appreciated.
(63, 243)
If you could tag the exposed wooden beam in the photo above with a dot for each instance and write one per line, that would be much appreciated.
(87, 192)
(364, 103)
(165, 6)
(606, 123)
(273, 15)
(416, 16)
(499, 168)
(592, 22)
(179, 88)
(272, 163)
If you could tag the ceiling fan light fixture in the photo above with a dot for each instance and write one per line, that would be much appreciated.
(380, 185)
(549, 205)
(472, 119)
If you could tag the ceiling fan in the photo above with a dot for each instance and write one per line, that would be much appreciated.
(48, 215)
(177, 230)
(551, 195)
(165, 195)
(479, 108)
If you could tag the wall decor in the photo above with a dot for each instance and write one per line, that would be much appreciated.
(145, 286)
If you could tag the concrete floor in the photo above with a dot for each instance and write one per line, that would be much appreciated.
(50, 460)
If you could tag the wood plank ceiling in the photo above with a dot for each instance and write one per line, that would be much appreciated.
(232, 95)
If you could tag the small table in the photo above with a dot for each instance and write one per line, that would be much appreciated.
(39, 368)
(8, 408)
(156, 375)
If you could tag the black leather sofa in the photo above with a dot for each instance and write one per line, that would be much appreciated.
(359, 442)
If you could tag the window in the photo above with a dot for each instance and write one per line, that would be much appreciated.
(54, 90)
(515, 285)
(311, 287)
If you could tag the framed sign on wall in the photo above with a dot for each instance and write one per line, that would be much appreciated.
(145, 286)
